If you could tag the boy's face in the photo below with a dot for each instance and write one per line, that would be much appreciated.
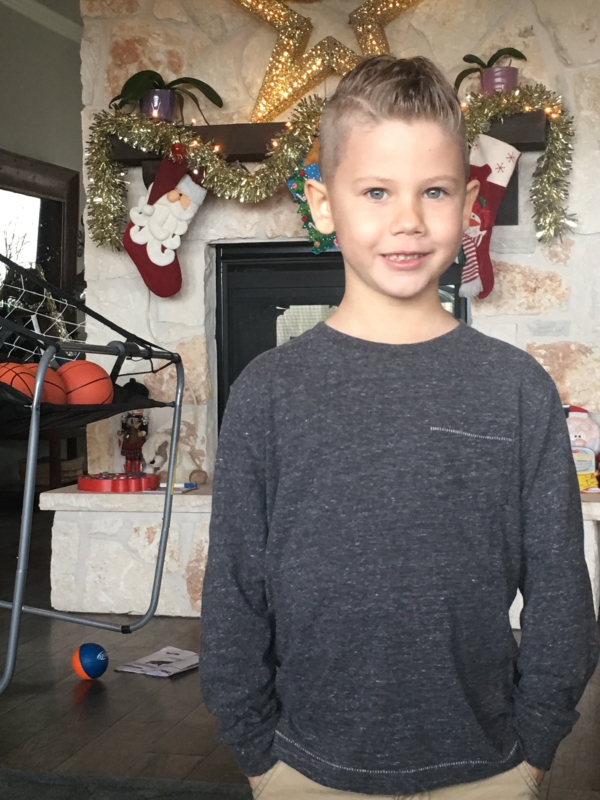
(399, 204)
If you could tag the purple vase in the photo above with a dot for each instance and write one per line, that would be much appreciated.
(159, 104)
(499, 79)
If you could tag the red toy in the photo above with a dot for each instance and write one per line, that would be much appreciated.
(86, 383)
(118, 482)
(132, 435)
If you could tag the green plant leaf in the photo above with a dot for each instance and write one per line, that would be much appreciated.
(195, 99)
(139, 84)
(506, 51)
(180, 92)
(462, 75)
(206, 90)
(180, 100)
(471, 59)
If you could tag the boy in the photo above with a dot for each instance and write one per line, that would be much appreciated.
(384, 484)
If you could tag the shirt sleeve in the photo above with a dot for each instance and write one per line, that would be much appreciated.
(559, 640)
(237, 666)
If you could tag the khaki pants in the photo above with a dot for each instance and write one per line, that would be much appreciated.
(282, 782)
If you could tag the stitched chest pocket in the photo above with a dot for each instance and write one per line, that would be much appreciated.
(473, 466)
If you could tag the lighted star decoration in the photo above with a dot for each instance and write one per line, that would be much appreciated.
(292, 72)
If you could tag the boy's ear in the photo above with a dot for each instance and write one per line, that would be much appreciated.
(471, 196)
(318, 200)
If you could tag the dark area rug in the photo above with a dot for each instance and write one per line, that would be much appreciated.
(18, 785)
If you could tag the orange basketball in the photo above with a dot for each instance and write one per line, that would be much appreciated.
(19, 377)
(5, 364)
(54, 390)
(86, 383)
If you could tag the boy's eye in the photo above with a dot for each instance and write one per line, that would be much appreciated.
(435, 193)
(376, 194)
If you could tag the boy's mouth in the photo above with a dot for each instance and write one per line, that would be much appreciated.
(406, 260)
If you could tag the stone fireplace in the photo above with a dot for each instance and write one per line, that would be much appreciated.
(546, 297)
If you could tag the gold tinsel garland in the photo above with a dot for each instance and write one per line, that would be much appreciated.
(107, 195)
(550, 187)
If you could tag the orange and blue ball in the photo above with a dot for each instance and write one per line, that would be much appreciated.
(90, 661)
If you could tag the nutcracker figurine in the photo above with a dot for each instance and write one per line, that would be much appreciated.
(132, 435)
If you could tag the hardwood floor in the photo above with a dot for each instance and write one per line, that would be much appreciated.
(122, 725)
(155, 727)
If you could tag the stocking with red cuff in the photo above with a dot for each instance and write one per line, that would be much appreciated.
(492, 164)
(159, 221)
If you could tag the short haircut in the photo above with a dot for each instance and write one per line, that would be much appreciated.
(383, 88)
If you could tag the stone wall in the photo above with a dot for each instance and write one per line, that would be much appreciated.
(105, 547)
(546, 297)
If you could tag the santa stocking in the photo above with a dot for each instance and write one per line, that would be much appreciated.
(492, 164)
(159, 221)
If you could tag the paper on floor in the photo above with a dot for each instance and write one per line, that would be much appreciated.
(162, 664)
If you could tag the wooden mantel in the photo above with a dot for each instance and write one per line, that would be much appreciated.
(251, 141)
(237, 142)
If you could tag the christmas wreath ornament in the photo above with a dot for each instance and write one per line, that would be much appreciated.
(309, 168)
(550, 187)
(107, 196)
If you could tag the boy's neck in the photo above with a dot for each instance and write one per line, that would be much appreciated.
(392, 322)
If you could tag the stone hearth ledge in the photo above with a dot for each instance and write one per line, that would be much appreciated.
(69, 498)
(104, 550)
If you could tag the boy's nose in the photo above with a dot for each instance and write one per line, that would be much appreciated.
(408, 217)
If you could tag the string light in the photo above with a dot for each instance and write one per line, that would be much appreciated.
(292, 72)
(108, 213)
(550, 185)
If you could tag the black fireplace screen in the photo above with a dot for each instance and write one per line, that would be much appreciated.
(270, 292)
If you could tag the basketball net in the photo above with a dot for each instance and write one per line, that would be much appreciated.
(27, 304)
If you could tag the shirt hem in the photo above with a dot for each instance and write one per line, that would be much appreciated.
(408, 780)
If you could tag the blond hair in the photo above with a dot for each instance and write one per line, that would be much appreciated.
(388, 88)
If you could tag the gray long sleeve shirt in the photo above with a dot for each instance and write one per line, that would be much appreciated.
(375, 509)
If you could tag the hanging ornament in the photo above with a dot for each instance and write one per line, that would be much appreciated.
(309, 168)
(292, 72)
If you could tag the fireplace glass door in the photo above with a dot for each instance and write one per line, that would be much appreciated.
(271, 292)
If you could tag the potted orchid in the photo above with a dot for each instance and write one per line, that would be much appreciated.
(494, 78)
(158, 99)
